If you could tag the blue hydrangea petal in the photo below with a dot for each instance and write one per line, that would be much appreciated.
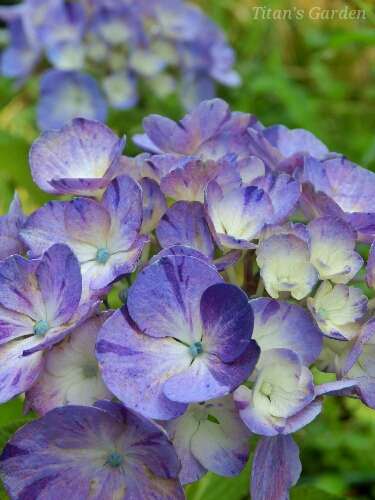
(184, 224)
(164, 300)
(79, 93)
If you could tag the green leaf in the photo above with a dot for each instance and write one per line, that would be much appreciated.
(307, 492)
(214, 487)
(7, 431)
(14, 159)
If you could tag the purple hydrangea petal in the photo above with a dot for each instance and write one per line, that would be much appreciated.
(164, 300)
(45, 225)
(364, 225)
(278, 324)
(283, 191)
(223, 448)
(184, 224)
(19, 290)
(59, 279)
(80, 149)
(78, 458)
(79, 93)
(250, 168)
(145, 143)
(227, 319)
(303, 417)
(124, 354)
(370, 269)
(185, 250)
(154, 204)
(88, 221)
(334, 387)
(71, 373)
(227, 260)
(118, 265)
(315, 203)
(276, 468)
(180, 431)
(123, 201)
(18, 373)
(161, 165)
(289, 142)
(189, 182)
(353, 186)
(80, 187)
(198, 126)
(14, 324)
(260, 147)
(9, 246)
(209, 377)
(143, 485)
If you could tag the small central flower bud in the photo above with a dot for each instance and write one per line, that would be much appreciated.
(196, 348)
(266, 388)
(90, 370)
(323, 314)
(102, 254)
(114, 460)
(40, 327)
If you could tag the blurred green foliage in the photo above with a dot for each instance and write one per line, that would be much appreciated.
(317, 74)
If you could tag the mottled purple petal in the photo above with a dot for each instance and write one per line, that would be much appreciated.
(370, 269)
(189, 182)
(18, 373)
(80, 187)
(315, 203)
(250, 168)
(278, 324)
(118, 265)
(123, 201)
(291, 141)
(44, 226)
(80, 149)
(276, 468)
(135, 366)
(184, 223)
(165, 297)
(227, 319)
(182, 250)
(260, 147)
(59, 278)
(87, 220)
(19, 288)
(208, 377)
(283, 190)
(154, 204)
(227, 260)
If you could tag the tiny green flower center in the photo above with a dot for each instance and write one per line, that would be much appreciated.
(40, 327)
(266, 388)
(323, 314)
(284, 279)
(102, 254)
(196, 348)
(114, 460)
(90, 370)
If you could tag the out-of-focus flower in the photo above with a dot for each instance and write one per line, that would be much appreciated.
(100, 52)
(104, 451)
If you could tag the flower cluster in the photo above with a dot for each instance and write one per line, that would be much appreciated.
(233, 249)
(102, 51)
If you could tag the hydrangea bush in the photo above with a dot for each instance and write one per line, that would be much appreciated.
(234, 249)
(100, 52)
